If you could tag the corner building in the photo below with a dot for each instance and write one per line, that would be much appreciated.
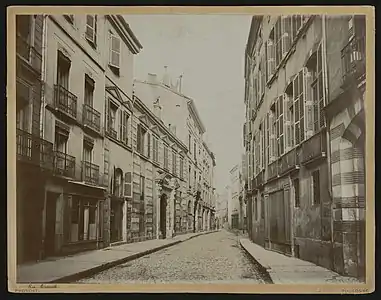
(296, 66)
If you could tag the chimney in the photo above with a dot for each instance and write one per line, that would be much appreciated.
(157, 108)
(166, 79)
(152, 78)
(180, 83)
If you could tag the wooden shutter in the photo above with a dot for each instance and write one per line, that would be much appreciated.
(309, 105)
(114, 51)
(121, 125)
(91, 21)
(302, 111)
(281, 124)
(272, 138)
(127, 190)
(286, 35)
(125, 124)
(270, 58)
(288, 125)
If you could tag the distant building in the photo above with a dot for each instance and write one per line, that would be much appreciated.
(179, 113)
(304, 138)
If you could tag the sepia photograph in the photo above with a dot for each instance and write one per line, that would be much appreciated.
(190, 150)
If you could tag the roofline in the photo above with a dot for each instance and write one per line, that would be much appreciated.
(126, 33)
(144, 107)
(194, 111)
(129, 30)
(190, 102)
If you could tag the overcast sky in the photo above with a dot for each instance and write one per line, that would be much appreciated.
(209, 51)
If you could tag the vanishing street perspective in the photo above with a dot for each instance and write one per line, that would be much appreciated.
(190, 149)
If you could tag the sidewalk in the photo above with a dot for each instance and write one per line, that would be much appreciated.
(72, 268)
(283, 269)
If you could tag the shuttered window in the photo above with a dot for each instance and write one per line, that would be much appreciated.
(91, 28)
(127, 190)
(286, 34)
(279, 108)
(298, 96)
(166, 157)
(114, 51)
(271, 64)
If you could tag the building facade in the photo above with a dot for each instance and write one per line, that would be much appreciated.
(34, 159)
(235, 214)
(294, 150)
(178, 112)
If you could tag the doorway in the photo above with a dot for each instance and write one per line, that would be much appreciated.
(116, 220)
(163, 215)
(50, 225)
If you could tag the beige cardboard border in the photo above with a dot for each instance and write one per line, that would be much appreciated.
(367, 287)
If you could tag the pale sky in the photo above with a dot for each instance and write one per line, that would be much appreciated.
(209, 51)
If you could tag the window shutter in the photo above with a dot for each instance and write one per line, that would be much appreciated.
(286, 35)
(120, 125)
(273, 143)
(115, 51)
(288, 127)
(108, 115)
(270, 58)
(127, 190)
(281, 124)
(309, 105)
(91, 27)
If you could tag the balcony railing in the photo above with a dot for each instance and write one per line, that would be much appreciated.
(314, 148)
(353, 59)
(65, 101)
(90, 172)
(28, 52)
(288, 162)
(64, 164)
(272, 170)
(112, 132)
(91, 118)
(34, 150)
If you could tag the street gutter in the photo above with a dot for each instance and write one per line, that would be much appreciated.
(92, 271)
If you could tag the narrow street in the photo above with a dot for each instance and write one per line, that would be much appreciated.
(207, 258)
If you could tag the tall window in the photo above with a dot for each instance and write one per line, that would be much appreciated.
(189, 175)
(63, 68)
(155, 149)
(271, 62)
(166, 157)
(23, 105)
(296, 192)
(194, 151)
(148, 145)
(142, 187)
(87, 152)
(273, 133)
(286, 34)
(298, 95)
(123, 119)
(112, 116)
(118, 183)
(174, 162)
(316, 187)
(115, 51)
(279, 124)
(24, 35)
(60, 140)
(190, 142)
(318, 92)
(141, 131)
(278, 41)
(181, 167)
(91, 29)
(89, 91)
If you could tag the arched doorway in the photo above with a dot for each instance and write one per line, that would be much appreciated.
(163, 215)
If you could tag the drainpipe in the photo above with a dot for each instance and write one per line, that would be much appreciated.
(328, 140)
(43, 75)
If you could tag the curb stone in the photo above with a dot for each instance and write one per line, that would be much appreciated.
(92, 271)
(264, 270)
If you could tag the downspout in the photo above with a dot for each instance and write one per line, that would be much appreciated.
(43, 75)
(326, 91)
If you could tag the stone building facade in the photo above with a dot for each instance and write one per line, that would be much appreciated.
(178, 112)
(291, 72)
(34, 160)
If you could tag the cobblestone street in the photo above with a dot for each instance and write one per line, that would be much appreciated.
(208, 258)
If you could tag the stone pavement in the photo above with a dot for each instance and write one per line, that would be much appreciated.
(290, 270)
(72, 268)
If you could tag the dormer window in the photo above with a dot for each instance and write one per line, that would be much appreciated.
(91, 29)
(115, 51)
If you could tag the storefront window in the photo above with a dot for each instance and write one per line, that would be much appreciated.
(83, 224)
